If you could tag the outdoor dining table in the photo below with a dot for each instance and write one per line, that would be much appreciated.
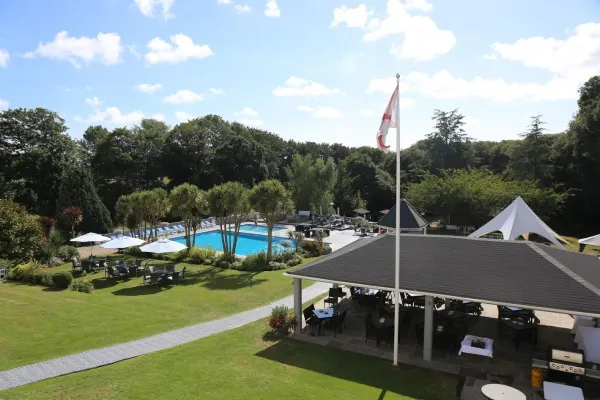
(450, 315)
(496, 391)
(324, 313)
(466, 347)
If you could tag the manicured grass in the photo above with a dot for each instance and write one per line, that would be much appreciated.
(41, 323)
(240, 364)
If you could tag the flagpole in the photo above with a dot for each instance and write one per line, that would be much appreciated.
(398, 196)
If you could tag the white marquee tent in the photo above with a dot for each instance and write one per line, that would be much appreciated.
(518, 219)
(592, 241)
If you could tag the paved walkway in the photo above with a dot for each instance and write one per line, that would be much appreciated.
(108, 355)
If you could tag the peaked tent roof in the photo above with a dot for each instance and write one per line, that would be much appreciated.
(519, 273)
(592, 240)
(518, 219)
(409, 217)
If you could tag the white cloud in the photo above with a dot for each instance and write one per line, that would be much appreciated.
(147, 7)
(182, 116)
(105, 46)
(442, 85)
(148, 87)
(223, 1)
(242, 9)
(93, 102)
(576, 57)
(3, 104)
(272, 9)
(179, 50)
(422, 39)
(251, 122)
(405, 102)
(322, 112)
(4, 58)
(183, 97)
(158, 117)
(248, 112)
(112, 115)
(295, 86)
(352, 17)
(217, 91)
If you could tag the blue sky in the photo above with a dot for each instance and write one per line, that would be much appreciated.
(318, 70)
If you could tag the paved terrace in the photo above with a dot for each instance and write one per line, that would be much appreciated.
(509, 365)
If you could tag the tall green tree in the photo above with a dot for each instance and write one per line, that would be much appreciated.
(271, 200)
(35, 150)
(77, 190)
(530, 159)
(448, 142)
(157, 206)
(189, 203)
(229, 202)
(311, 182)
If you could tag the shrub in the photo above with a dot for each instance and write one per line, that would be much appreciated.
(66, 253)
(134, 251)
(46, 279)
(199, 256)
(20, 233)
(223, 264)
(281, 320)
(179, 256)
(276, 266)
(209, 261)
(285, 244)
(237, 265)
(62, 280)
(25, 272)
(83, 286)
(255, 262)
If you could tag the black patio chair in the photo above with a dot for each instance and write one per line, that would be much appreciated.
(335, 324)
(115, 273)
(149, 277)
(179, 276)
(75, 263)
(170, 268)
(311, 320)
(332, 299)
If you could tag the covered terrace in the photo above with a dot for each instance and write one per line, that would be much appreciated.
(438, 272)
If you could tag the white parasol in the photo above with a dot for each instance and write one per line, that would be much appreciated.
(163, 246)
(90, 237)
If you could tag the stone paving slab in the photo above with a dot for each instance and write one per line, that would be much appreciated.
(109, 355)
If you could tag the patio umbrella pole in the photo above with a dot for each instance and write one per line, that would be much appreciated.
(397, 272)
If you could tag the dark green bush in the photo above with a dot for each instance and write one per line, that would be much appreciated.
(312, 249)
(255, 262)
(83, 286)
(134, 251)
(223, 264)
(62, 280)
(179, 256)
(25, 272)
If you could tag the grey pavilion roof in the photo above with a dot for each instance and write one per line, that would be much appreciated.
(516, 273)
(409, 217)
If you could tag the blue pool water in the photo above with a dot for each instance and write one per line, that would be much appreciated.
(247, 243)
(260, 228)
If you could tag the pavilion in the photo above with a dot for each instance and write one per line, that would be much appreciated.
(410, 219)
(503, 272)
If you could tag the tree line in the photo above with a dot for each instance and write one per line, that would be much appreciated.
(47, 171)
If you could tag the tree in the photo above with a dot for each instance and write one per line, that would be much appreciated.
(229, 203)
(447, 142)
(34, 152)
(242, 159)
(77, 190)
(271, 200)
(297, 238)
(189, 203)
(157, 206)
(311, 182)
(72, 216)
(20, 232)
(531, 157)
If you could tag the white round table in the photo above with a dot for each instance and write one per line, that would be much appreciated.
(495, 391)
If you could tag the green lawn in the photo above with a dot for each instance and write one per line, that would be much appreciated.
(240, 364)
(39, 323)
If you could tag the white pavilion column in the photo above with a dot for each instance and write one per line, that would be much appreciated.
(428, 329)
(298, 304)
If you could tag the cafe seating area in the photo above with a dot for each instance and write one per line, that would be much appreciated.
(119, 268)
(477, 341)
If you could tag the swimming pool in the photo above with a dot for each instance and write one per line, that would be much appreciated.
(247, 243)
(260, 228)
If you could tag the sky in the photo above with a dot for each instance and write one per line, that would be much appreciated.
(310, 70)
